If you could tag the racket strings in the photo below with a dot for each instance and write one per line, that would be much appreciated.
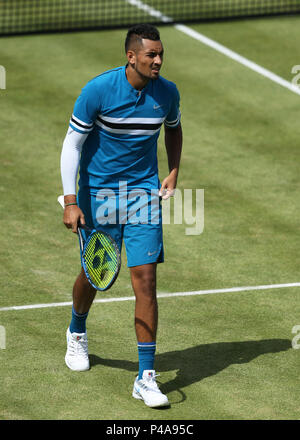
(101, 260)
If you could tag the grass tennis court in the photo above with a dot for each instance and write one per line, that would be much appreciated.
(221, 356)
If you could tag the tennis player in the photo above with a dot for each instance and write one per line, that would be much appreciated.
(112, 138)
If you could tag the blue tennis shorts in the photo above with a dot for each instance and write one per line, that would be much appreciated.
(135, 217)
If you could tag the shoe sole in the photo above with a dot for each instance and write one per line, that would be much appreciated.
(139, 397)
(136, 395)
(74, 369)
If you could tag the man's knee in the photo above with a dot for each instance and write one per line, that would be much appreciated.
(144, 280)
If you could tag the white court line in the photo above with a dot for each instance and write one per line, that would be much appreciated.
(236, 57)
(159, 295)
(217, 46)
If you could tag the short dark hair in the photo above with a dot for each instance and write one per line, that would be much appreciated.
(136, 33)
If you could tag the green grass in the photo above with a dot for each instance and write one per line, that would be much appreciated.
(222, 356)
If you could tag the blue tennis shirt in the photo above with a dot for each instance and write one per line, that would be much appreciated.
(123, 125)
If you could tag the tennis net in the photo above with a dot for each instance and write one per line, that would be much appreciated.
(31, 16)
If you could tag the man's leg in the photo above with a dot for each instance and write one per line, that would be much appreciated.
(77, 348)
(143, 279)
(83, 294)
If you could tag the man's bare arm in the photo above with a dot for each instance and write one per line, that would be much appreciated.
(173, 142)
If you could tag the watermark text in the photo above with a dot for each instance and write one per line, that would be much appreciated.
(2, 338)
(296, 78)
(2, 77)
(296, 330)
(138, 206)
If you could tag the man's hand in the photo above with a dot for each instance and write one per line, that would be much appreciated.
(168, 185)
(72, 214)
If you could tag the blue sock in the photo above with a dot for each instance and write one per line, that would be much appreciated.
(78, 322)
(146, 351)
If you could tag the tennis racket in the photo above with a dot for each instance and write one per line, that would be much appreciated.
(100, 256)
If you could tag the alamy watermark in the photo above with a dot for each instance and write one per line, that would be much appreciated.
(296, 78)
(184, 204)
(295, 340)
(136, 206)
(2, 77)
(2, 338)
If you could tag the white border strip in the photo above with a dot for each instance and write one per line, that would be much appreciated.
(216, 46)
(160, 295)
(242, 60)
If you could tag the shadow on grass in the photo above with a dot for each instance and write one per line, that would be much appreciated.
(197, 363)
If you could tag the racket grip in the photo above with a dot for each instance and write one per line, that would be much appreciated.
(84, 227)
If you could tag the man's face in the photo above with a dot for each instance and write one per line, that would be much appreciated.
(147, 59)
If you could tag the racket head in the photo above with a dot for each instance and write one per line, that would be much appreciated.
(101, 259)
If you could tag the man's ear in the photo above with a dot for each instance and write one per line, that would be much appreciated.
(131, 57)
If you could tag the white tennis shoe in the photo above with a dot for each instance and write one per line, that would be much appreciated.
(146, 389)
(77, 357)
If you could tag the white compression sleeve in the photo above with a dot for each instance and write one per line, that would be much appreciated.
(69, 160)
